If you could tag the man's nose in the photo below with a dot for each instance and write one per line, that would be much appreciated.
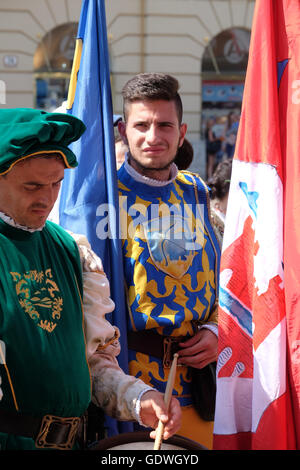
(48, 195)
(152, 134)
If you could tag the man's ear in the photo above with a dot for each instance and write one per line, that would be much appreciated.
(183, 129)
(122, 131)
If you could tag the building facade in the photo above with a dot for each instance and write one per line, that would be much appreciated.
(203, 43)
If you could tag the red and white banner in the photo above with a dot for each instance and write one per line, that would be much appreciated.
(258, 375)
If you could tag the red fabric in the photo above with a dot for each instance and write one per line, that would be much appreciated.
(269, 132)
(266, 436)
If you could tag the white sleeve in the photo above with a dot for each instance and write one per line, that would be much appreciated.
(96, 304)
(96, 298)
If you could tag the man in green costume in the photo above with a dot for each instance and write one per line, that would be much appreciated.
(57, 351)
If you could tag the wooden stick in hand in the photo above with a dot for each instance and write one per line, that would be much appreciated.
(167, 399)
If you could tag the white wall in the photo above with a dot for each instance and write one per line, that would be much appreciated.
(144, 35)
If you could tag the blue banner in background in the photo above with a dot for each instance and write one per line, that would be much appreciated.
(91, 189)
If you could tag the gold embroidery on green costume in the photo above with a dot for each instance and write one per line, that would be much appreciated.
(38, 289)
(41, 321)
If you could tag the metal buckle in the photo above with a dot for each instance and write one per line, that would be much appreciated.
(64, 434)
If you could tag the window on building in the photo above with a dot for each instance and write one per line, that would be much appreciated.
(224, 67)
(52, 66)
(227, 54)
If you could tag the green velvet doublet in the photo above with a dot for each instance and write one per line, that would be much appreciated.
(43, 362)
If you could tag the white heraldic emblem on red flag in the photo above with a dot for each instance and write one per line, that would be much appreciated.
(251, 279)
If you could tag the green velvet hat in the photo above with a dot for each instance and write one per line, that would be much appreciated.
(26, 132)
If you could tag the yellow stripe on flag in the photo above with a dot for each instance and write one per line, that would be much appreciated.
(74, 73)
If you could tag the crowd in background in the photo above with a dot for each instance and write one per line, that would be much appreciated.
(220, 138)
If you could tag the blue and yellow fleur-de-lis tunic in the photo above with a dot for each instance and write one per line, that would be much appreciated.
(43, 365)
(171, 258)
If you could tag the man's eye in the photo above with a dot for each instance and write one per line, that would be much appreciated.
(141, 125)
(166, 124)
(32, 187)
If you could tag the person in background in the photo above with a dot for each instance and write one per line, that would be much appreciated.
(231, 133)
(120, 147)
(215, 137)
(170, 254)
(219, 185)
(120, 151)
(219, 131)
(212, 147)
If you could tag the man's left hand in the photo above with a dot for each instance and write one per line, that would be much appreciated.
(153, 409)
(199, 350)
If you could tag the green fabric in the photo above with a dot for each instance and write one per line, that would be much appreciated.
(26, 131)
(41, 324)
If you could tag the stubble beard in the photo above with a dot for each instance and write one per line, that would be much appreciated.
(150, 172)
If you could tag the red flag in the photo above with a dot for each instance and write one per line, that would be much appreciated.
(258, 375)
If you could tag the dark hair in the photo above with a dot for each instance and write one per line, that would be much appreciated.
(152, 87)
(184, 156)
(220, 180)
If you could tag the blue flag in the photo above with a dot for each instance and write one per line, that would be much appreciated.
(89, 195)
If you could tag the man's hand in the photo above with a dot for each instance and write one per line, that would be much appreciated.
(153, 409)
(199, 350)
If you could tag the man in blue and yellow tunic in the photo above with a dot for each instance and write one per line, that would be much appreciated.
(170, 251)
(57, 350)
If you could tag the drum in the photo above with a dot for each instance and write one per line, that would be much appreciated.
(141, 440)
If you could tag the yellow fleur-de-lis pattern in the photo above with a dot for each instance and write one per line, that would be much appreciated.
(170, 260)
